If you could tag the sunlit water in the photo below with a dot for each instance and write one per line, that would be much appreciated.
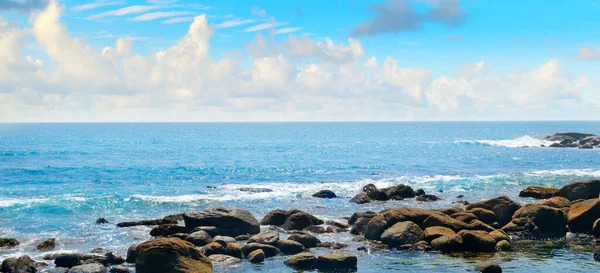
(57, 179)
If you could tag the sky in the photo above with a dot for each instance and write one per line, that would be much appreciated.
(274, 60)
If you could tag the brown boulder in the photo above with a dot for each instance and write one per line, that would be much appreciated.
(167, 230)
(586, 189)
(234, 250)
(537, 222)
(256, 256)
(289, 247)
(307, 240)
(46, 245)
(538, 192)
(269, 238)
(170, 255)
(477, 241)
(274, 218)
(499, 235)
(378, 224)
(502, 206)
(213, 248)
(402, 233)
(582, 215)
(23, 264)
(452, 243)
(338, 260)
(229, 221)
(432, 233)
(269, 250)
(486, 216)
(444, 221)
(302, 261)
(464, 216)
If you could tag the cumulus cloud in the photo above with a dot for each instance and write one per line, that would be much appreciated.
(297, 78)
(589, 53)
(97, 4)
(395, 16)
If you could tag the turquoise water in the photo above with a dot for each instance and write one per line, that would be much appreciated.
(57, 179)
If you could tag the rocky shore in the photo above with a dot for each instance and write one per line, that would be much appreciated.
(201, 240)
(573, 140)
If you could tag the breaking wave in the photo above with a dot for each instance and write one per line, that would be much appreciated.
(520, 142)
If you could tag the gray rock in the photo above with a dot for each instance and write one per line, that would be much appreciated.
(88, 268)
(199, 238)
(402, 233)
(230, 221)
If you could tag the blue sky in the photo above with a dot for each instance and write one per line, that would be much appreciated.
(299, 60)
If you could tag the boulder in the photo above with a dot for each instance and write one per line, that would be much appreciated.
(114, 259)
(47, 245)
(486, 216)
(427, 198)
(307, 240)
(357, 215)
(297, 221)
(244, 237)
(119, 269)
(155, 222)
(463, 216)
(257, 256)
(360, 226)
(556, 202)
(537, 222)
(338, 260)
(402, 233)
(167, 230)
(234, 250)
(587, 189)
(220, 259)
(499, 235)
(374, 193)
(582, 216)
(452, 243)
(479, 225)
(269, 238)
(9, 242)
(590, 140)
(199, 238)
(23, 264)
(131, 253)
(442, 220)
(488, 267)
(315, 220)
(224, 240)
(325, 194)
(181, 236)
(101, 221)
(432, 233)
(335, 229)
(213, 249)
(567, 136)
(502, 206)
(503, 245)
(302, 261)
(315, 229)
(419, 192)
(538, 192)
(88, 268)
(378, 224)
(596, 228)
(274, 218)
(451, 210)
(360, 198)
(289, 247)
(477, 241)
(67, 260)
(337, 224)
(268, 250)
(170, 255)
(331, 245)
(400, 192)
(229, 221)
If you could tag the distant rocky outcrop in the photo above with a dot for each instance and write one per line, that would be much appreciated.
(574, 140)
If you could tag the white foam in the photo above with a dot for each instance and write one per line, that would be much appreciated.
(566, 172)
(521, 142)
(9, 202)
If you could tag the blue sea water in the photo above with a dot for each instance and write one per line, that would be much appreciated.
(57, 179)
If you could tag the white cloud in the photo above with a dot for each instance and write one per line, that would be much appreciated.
(97, 4)
(123, 11)
(295, 79)
(158, 15)
(589, 53)
(178, 20)
(264, 26)
(287, 30)
(235, 23)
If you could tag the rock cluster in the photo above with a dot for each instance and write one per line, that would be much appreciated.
(574, 140)
(399, 192)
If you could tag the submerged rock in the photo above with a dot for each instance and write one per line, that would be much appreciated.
(586, 189)
(47, 245)
(538, 192)
(221, 259)
(9, 242)
(338, 260)
(170, 255)
(101, 221)
(325, 194)
(567, 136)
(427, 198)
(228, 221)
(488, 267)
(154, 222)
(255, 190)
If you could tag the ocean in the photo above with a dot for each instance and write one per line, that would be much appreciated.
(57, 179)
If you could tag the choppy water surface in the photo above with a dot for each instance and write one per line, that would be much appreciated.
(57, 179)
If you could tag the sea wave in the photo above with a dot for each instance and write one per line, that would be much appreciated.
(566, 172)
(520, 142)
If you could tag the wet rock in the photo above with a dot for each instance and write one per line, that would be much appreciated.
(503, 245)
(56, 270)
(590, 140)
(255, 190)
(582, 215)
(155, 222)
(302, 261)
(402, 233)
(307, 240)
(338, 260)
(335, 229)
(443, 220)
(325, 194)
(557, 202)
(181, 236)
(23, 264)
(170, 255)
(331, 245)
(453, 243)
(451, 210)
(289, 247)
(486, 216)
(269, 238)
(374, 193)
(427, 198)
(131, 253)
(9, 242)
(360, 198)
(502, 206)
(360, 226)
(119, 269)
(419, 192)
(463, 216)
(357, 215)
(378, 224)
(88, 268)
(596, 228)
(538, 192)
(567, 136)
(479, 225)
(268, 250)
(399, 192)
(224, 240)
(499, 235)
(213, 248)
(47, 245)
(167, 230)
(67, 260)
(297, 221)
(257, 256)
(242, 237)
(432, 233)
(219, 259)
(229, 221)
(337, 224)
(489, 267)
(537, 222)
(101, 221)
(99, 250)
(477, 241)
(114, 259)
(597, 255)
(199, 238)
(234, 250)
(586, 189)
(315, 229)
